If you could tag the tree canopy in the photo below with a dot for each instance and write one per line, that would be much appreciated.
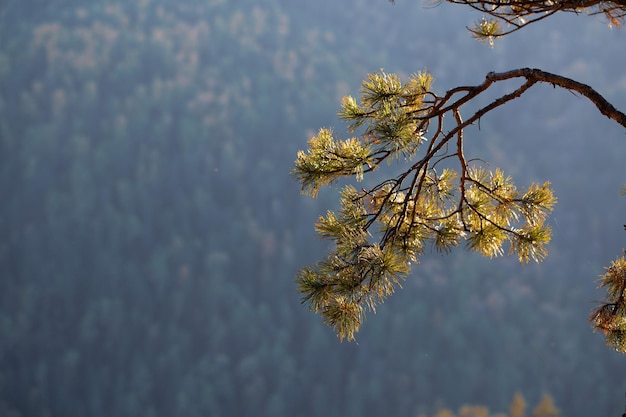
(440, 198)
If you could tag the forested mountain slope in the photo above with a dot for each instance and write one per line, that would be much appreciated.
(150, 231)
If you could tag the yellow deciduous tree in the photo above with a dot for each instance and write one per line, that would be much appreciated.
(518, 406)
(473, 411)
(444, 412)
(546, 408)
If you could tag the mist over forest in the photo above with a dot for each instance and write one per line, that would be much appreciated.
(151, 232)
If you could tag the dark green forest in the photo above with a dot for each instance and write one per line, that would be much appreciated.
(150, 230)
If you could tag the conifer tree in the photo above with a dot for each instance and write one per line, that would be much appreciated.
(439, 198)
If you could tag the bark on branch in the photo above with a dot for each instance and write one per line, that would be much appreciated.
(537, 75)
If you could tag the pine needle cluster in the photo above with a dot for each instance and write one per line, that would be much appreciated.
(610, 316)
(380, 231)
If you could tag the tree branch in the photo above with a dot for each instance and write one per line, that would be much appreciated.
(421, 205)
(518, 14)
(537, 75)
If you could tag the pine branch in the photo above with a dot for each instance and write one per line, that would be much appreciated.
(382, 230)
(518, 14)
(537, 75)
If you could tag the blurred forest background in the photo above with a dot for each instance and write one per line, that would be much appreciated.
(150, 230)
